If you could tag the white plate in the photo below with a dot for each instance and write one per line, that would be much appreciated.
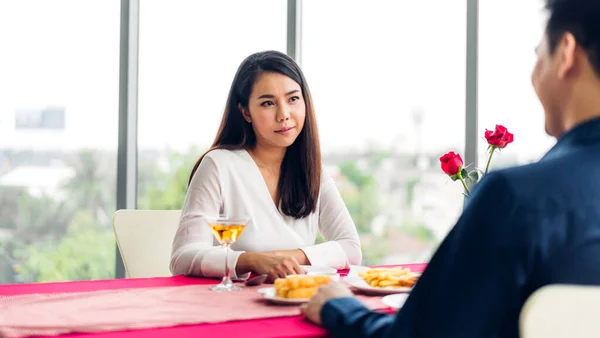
(316, 270)
(269, 294)
(360, 284)
(395, 301)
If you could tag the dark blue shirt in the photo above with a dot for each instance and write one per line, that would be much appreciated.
(523, 228)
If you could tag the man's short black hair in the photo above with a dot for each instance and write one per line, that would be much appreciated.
(580, 18)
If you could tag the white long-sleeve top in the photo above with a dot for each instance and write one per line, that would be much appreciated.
(230, 181)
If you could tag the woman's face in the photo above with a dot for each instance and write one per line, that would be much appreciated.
(276, 110)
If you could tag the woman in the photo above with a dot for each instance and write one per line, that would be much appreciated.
(265, 163)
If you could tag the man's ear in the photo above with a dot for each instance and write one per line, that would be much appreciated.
(245, 113)
(566, 53)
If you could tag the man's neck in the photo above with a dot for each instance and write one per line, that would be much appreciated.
(584, 106)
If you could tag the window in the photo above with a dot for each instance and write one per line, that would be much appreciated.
(57, 179)
(506, 59)
(188, 59)
(388, 81)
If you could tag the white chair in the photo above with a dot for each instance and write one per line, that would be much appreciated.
(562, 311)
(145, 238)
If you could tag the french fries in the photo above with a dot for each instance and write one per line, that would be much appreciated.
(299, 286)
(389, 277)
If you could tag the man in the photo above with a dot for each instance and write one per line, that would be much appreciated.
(523, 227)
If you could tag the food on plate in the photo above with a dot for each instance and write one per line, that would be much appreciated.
(298, 287)
(389, 277)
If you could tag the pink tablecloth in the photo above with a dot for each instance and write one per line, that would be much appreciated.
(273, 327)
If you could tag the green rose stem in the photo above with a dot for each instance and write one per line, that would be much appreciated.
(492, 148)
(462, 180)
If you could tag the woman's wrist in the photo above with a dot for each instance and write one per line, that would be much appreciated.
(245, 263)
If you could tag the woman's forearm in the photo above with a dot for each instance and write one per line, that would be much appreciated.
(298, 254)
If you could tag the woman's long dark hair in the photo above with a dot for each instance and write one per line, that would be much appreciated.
(300, 174)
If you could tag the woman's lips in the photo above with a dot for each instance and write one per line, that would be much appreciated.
(284, 131)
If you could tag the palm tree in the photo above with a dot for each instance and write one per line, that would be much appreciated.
(92, 186)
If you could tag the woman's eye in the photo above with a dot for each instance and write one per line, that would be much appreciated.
(267, 103)
(294, 98)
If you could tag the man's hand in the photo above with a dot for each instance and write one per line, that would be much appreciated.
(312, 309)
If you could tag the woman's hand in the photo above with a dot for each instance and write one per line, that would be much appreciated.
(272, 264)
(298, 254)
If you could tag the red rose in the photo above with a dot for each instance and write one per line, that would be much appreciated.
(499, 138)
(451, 163)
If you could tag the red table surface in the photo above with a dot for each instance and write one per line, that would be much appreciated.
(295, 326)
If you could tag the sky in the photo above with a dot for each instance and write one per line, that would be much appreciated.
(371, 66)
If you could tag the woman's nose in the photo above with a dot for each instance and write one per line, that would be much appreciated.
(283, 114)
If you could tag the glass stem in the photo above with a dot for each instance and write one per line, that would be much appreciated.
(227, 278)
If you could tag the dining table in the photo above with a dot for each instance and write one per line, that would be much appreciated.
(291, 326)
